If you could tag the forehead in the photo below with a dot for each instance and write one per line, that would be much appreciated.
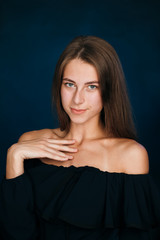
(78, 70)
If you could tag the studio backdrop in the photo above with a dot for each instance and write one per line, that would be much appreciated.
(33, 33)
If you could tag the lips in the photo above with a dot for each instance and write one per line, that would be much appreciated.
(78, 111)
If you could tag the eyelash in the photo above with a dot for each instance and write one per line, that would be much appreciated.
(93, 86)
(67, 84)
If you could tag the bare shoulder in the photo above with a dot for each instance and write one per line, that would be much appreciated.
(43, 133)
(135, 158)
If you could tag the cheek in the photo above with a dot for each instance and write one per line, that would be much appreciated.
(96, 100)
(65, 96)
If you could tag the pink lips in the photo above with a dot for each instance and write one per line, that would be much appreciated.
(78, 111)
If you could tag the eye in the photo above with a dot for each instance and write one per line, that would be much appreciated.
(69, 84)
(91, 87)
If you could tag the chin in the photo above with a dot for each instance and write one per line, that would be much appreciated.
(78, 121)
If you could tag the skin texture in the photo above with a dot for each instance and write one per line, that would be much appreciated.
(86, 143)
(80, 90)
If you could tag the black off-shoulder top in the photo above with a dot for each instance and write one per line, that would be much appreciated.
(79, 203)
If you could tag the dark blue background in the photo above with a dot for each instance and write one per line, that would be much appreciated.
(34, 33)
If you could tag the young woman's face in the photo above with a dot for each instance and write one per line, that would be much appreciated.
(80, 91)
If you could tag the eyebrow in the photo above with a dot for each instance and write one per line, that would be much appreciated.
(69, 80)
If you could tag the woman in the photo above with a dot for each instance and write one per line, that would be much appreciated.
(88, 179)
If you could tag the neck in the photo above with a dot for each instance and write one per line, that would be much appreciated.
(82, 132)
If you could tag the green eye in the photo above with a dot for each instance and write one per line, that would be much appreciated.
(92, 87)
(69, 84)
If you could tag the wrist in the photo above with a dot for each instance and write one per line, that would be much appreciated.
(14, 164)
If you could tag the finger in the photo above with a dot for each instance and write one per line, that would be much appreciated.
(62, 148)
(56, 157)
(58, 153)
(67, 141)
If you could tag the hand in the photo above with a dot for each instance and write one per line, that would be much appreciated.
(37, 148)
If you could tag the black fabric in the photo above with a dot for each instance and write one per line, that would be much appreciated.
(73, 203)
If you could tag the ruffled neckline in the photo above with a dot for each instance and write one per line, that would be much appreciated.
(88, 197)
(88, 168)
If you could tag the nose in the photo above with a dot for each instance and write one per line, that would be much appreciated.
(78, 97)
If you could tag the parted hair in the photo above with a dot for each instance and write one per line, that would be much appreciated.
(116, 115)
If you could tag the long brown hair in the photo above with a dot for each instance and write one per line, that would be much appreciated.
(116, 115)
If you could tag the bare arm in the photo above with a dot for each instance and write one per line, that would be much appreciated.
(42, 147)
(136, 160)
